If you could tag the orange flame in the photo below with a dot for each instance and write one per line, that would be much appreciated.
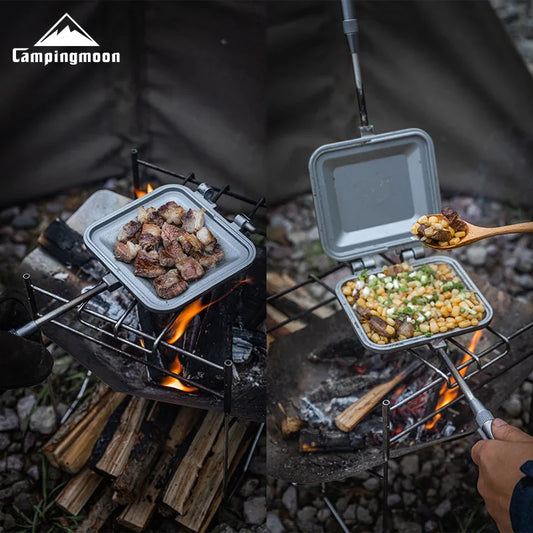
(177, 330)
(447, 395)
(139, 192)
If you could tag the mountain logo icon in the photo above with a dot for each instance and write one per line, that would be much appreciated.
(66, 32)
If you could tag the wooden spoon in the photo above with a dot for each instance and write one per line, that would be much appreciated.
(476, 233)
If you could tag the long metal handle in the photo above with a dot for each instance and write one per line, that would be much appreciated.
(109, 282)
(482, 415)
(351, 30)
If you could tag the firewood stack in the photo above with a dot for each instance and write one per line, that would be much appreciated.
(132, 457)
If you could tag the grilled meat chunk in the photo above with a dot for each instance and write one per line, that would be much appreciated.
(421, 229)
(126, 251)
(381, 327)
(169, 234)
(209, 260)
(147, 265)
(189, 242)
(394, 270)
(129, 231)
(405, 328)
(150, 236)
(190, 269)
(455, 220)
(169, 285)
(172, 212)
(168, 257)
(193, 220)
(363, 312)
(149, 215)
(206, 238)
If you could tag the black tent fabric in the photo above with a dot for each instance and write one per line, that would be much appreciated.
(196, 91)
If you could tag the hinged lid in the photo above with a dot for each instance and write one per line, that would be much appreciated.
(368, 192)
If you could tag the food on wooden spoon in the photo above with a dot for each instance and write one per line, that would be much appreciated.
(441, 230)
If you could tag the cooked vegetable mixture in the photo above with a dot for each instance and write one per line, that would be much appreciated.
(401, 302)
(442, 231)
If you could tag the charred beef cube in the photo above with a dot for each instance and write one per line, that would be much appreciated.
(381, 327)
(189, 242)
(193, 220)
(206, 238)
(147, 265)
(169, 234)
(421, 229)
(209, 260)
(126, 251)
(455, 220)
(190, 269)
(172, 212)
(150, 236)
(130, 231)
(363, 312)
(169, 285)
(150, 215)
(168, 257)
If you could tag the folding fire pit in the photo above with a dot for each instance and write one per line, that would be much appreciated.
(214, 363)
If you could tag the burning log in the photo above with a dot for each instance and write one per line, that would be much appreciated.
(137, 515)
(316, 441)
(144, 453)
(76, 494)
(74, 450)
(210, 480)
(117, 452)
(185, 476)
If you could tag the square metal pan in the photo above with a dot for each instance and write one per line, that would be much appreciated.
(368, 192)
(415, 341)
(239, 252)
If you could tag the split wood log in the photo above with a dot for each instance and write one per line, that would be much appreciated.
(74, 451)
(296, 300)
(219, 496)
(99, 513)
(183, 480)
(117, 452)
(200, 500)
(83, 410)
(137, 515)
(143, 455)
(77, 492)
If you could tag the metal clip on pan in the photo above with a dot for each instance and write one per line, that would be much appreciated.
(482, 415)
(351, 30)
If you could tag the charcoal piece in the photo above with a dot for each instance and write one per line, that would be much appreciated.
(337, 388)
(321, 441)
(67, 246)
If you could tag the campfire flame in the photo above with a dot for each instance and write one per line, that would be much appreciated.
(177, 330)
(447, 395)
(139, 192)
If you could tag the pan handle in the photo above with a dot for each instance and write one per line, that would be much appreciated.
(351, 30)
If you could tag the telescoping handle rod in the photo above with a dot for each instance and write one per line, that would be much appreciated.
(482, 415)
(351, 30)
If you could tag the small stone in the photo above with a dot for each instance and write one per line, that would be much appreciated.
(323, 515)
(364, 516)
(29, 441)
(24, 408)
(9, 522)
(8, 214)
(430, 526)
(22, 236)
(409, 527)
(290, 499)
(29, 218)
(372, 484)
(525, 281)
(8, 420)
(43, 420)
(307, 514)
(393, 500)
(513, 406)
(21, 486)
(33, 472)
(274, 524)
(6, 494)
(248, 487)
(4, 442)
(24, 501)
(476, 255)
(14, 463)
(443, 508)
(350, 512)
(255, 510)
(341, 504)
(410, 465)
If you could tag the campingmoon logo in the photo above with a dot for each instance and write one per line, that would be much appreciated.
(65, 33)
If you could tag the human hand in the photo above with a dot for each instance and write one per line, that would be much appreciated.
(499, 463)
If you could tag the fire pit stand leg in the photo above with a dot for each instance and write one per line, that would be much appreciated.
(334, 511)
(385, 410)
(136, 185)
(228, 382)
